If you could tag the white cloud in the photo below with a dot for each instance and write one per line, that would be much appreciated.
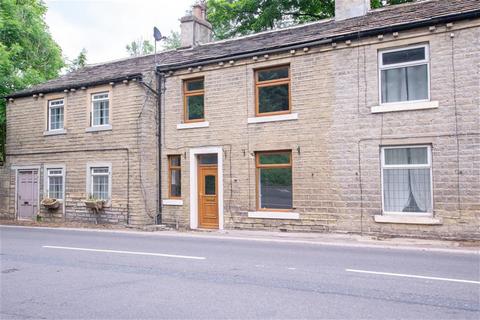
(105, 27)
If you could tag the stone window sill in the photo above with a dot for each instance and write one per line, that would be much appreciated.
(280, 117)
(404, 219)
(106, 127)
(193, 125)
(54, 132)
(173, 202)
(406, 106)
(274, 215)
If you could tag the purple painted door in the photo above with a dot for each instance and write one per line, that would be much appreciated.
(27, 196)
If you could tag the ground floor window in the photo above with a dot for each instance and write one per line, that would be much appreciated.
(55, 183)
(99, 186)
(407, 179)
(274, 180)
(174, 176)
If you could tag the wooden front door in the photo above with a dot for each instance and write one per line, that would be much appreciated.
(208, 197)
(27, 194)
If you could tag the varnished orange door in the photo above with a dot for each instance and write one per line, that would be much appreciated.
(208, 197)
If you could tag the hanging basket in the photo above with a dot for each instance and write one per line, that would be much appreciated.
(50, 203)
(95, 205)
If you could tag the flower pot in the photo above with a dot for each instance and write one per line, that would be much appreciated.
(50, 203)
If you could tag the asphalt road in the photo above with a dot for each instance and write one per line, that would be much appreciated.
(83, 274)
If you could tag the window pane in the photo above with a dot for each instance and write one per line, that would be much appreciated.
(417, 82)
(195, 107)
(100, 170)
(273, 98)
(100, 113)
(407, 190)
(274, 158)
(207, 159)
(405, 84)
(100, 187)
(56, 118)
(399, 156)
(55, 187)
(195, 85)
(175, 183)
(54, 103)
(272, 74)
(54, 172)
(402, 56)
(100, 96)
(276, 188)
(210, 185)
(174, 161)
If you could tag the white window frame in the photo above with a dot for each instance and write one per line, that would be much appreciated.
(382, 67)
(89, 187)
(407, 166)
(47, 176)
(50, 107)
(92, 101)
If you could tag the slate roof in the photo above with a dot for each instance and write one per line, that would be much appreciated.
(387, 19)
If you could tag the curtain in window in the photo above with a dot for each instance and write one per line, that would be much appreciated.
(407, 190)
(55, 187)
(100, 187)
(405, 84)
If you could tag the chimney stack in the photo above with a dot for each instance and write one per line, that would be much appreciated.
(346, 9)
(194, 27)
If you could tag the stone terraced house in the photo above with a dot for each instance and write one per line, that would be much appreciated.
(367, 123)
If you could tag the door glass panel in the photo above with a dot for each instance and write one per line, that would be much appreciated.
(208, 159)
(210, 185)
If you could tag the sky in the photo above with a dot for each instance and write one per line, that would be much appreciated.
(105, 27)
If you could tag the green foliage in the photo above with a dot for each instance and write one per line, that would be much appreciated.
(239, 17)
(79, 62)
(232, 18)
(173, 41)
(139, 47)
(28, 54)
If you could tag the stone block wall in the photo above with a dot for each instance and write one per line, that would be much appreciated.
(336, 140)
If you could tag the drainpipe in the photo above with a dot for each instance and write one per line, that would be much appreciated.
(160, 89)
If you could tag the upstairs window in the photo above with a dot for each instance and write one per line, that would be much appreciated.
(100, 114)
(274, 180)
(55, 114)
(193, 98)
(407, 179)
(404, 74)
(272, 88)
(55, 183)
(100, 183)
(174, 177)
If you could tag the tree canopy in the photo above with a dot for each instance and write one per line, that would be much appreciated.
(139, 47)
(232, 18)
(28, 54)
(79, 62)
(173, 41)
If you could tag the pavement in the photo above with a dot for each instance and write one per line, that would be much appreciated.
(116, 274)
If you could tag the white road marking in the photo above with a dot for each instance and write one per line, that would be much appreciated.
(291, 268)
(127, 252)
(412, 276)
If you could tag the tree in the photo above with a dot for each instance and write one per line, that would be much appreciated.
(139, 47)
(28, 54)
(173, 41)
(79, 62)
(232, 18)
